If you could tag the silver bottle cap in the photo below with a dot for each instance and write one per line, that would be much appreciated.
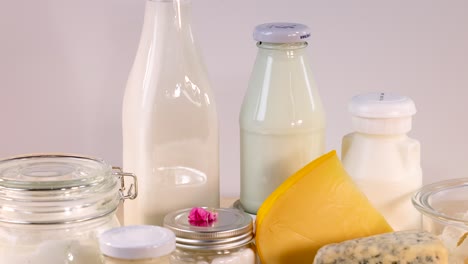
(281, 33)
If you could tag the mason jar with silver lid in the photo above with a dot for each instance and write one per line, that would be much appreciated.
(228, 239)
(53, 207)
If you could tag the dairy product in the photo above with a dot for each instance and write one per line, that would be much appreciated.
(164, 260)
(225, 239)
(170, 128)
(316, 206)
(137, 244)
(415, 247)
(52, 252)
(167, 188)
(54, 244)
(382, 160)
(269, 159)
(53, 208)
(454, 238)
(282, 121)
(244, 255)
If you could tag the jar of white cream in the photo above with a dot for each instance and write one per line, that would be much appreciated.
(53, 208)
(228, 239)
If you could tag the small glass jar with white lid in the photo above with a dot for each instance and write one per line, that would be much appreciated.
(53, 207)
(138, 244)
(227, 240)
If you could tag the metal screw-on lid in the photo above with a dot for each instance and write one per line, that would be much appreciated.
(232, 228)
(137, 242)
(281, 32)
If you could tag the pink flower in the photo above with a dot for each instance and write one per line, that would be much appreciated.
(200, 217)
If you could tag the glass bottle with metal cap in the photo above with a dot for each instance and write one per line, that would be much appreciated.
(282, 121)
(139, 244)
(53, 207)
(229, 239)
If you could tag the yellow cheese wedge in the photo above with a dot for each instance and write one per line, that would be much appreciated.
(316, 206)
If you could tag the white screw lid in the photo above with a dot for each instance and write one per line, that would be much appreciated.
(281, 32)
(382, 113)
(137, 242)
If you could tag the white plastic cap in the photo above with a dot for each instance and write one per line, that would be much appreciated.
(281, 33)
(137, 242)
(382, 113)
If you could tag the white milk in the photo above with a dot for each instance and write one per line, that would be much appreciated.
(382, 160)
(282, 121)
(170, 129)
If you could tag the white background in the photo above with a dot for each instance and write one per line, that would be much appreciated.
(64, 65)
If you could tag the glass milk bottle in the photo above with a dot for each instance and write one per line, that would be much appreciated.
(382, 160)
(282, 121)
(170, 127)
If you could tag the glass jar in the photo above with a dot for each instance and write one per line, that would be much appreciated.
(444, 206)
(229, 239)
(53, 207)
(139, 244)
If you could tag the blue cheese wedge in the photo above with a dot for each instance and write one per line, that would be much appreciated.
(404, 247)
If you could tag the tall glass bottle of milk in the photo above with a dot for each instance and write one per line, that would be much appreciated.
(282, 121)
(170, 127)
(382, 160)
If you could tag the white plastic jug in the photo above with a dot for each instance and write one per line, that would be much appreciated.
(382, 160)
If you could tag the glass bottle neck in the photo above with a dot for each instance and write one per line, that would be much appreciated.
(282, 46)
(169, 13)
(283, 50)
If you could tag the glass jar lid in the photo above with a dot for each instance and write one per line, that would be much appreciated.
(231, 229)
(56, 189)
(51, 172)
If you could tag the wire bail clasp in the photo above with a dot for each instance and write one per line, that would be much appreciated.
(132, 192)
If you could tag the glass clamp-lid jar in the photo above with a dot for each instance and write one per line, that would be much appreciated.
(53, 207)
(137, 244)
(228, 239)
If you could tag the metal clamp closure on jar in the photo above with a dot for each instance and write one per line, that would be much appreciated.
(60, 189)
(131, 194)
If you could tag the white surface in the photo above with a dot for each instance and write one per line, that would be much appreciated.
(64, 65)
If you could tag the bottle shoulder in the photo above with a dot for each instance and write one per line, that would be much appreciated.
(387, 158)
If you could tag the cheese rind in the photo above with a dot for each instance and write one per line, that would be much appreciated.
(408, 247)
